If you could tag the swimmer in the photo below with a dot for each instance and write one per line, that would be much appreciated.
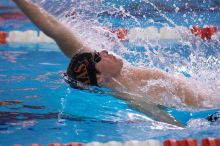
(104, 69)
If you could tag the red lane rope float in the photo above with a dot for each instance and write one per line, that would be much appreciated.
(170, 142)
(74, 144)
(185, 142)
(3, 36)
(55, 144)
(211, 142)
(70, 144)
(120, 32)
(205, 33)
(14, 15)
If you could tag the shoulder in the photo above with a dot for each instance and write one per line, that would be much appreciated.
(150, 73)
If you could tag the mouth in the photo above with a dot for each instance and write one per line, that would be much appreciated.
(113, 57)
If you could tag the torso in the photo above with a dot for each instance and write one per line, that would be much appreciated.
(157, 86)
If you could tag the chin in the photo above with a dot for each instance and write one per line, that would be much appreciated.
(119, 59)
(121, 62)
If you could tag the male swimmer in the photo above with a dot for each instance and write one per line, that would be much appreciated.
(106, 70)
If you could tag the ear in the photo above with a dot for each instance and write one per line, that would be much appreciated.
(102, 80)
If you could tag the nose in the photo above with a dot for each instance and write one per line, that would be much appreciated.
(105, 52)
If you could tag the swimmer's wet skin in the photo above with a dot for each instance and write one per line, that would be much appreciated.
(105, 70)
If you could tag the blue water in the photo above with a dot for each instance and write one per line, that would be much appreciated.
(46, 110)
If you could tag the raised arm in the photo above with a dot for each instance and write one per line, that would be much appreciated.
(64, 37)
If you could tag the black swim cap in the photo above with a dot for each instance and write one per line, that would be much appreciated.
(82, 69)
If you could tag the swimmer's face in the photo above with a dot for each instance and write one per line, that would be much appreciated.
(109, 66)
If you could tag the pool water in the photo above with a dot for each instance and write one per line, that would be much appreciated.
(39, 107)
